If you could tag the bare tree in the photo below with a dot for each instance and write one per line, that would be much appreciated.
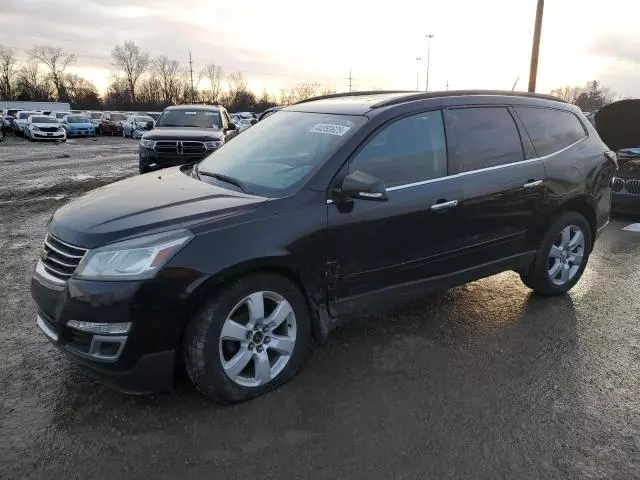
(56, 61)
(31, 83)
(306, 90)
(8, 72)
(81, 92)
(133, 62)
(569, 94)
(215, 75)
(167, 72)
(236, 83)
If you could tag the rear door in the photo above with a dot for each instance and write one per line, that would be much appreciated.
(381, 247)
(502, 183)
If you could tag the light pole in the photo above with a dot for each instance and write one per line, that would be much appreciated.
(428, 36)
(418, 60)
(535, 49)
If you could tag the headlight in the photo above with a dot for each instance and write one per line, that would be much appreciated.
(134, 259)
(147, 143)
(213, 145)
(35, 128)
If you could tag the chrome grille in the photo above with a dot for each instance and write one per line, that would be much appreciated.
(193, 148)
(632, 187)
(163, 146)
(60, 259)
(618, 184)
(48, 129)
(178, 147)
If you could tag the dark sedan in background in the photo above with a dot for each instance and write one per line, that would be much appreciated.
(111, 123)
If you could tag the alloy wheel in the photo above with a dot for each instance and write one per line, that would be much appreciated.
(257, 339)
(566, 255)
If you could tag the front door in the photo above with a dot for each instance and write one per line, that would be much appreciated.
(378, 248)
(503, 193)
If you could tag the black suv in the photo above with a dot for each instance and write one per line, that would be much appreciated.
(185, 134)
(315, 214)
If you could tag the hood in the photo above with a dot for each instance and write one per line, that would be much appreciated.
(80, 125)
(171, 133)
(46, 125)
(617, 124)
(146, 204)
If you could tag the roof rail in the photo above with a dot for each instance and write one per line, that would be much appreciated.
(458, 93)
(352, 94)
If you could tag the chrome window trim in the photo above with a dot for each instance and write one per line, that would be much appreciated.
(480, 170)
(40, 270)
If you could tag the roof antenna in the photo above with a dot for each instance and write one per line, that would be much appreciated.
(515, 83)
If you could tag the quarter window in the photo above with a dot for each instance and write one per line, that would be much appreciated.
(409, 150)
(487, 137)
(550, 130)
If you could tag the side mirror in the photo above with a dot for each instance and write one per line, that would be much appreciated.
(253, 121)
(363, 186)
(231, 126)
(149, 125)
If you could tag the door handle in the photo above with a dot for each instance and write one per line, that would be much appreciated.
(440, 207)
(533, 184)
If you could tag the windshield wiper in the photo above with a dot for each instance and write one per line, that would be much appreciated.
(224, 178)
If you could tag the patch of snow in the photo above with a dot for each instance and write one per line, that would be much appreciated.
(82, 176)
(634, 227)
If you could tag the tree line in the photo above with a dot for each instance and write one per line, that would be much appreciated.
(590, 97)
(138, 82)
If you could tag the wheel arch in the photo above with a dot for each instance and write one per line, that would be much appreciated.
(275, 265)
(583, 205)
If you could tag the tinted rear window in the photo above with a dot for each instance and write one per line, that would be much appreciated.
(550, 130)
(487, 137)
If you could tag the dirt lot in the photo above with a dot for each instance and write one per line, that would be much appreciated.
(480, 381)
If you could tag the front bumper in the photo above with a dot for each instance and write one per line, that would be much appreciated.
(81, 133)
(140, 361)
(47, 135)
(152, 160)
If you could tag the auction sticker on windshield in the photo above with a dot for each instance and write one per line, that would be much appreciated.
(327, 128)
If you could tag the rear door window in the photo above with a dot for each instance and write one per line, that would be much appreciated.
(487, 137)
(409, 150)
(550, 130)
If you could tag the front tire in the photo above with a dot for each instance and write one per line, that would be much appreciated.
(248, 339)
(562, 256)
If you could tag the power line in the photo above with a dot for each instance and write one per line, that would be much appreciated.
(191, 75)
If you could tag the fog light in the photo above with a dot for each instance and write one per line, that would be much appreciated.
(100, 328)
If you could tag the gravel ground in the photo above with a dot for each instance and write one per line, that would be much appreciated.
(480, 381)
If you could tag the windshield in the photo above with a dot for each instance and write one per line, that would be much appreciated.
(142, 119)
(25, 115)
(77, 119)
(61, 114)
(95, 115)
(190, 118)
(43, 120)
(275, 156)
(116, 117)
(155, 116)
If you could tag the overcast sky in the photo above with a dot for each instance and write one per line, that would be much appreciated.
(276, 43)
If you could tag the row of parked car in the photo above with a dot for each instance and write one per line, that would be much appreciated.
(58, 125)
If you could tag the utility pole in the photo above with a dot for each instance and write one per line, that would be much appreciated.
(350, 78)
(418, 60)
(535, 49)
(447, 85)
(429, 36)
(191, 74)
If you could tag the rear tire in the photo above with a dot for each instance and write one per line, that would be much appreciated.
(244, 363)
(562, 256)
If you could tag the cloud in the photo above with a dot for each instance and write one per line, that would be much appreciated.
(619, 47)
